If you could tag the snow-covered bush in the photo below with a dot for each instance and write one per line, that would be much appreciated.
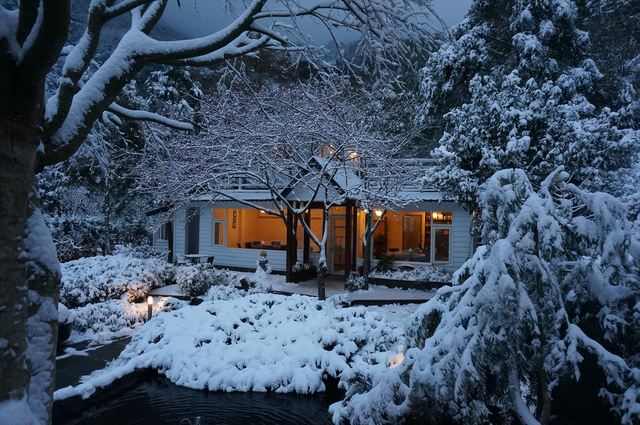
(196, 280)
(355, 282)
(414, 274)
(101, 278)
(557, 283)
(254, 343)
(111, 319)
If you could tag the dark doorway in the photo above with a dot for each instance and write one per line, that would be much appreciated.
(193, 230)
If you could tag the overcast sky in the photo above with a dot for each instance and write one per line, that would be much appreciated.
(201, 18)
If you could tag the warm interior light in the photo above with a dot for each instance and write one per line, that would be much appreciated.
(378, 213)
(150, 300)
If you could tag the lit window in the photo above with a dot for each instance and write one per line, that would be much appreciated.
(440, 217)
(217, 232)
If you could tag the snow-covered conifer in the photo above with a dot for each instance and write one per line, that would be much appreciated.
(557, 282)
(519, 87)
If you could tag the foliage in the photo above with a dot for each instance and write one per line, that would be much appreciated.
(101, 278)
(385, 263)
(196, 280)
(521, 86)
(355, 282)
(557, 282)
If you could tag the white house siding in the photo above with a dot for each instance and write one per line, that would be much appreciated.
(179, 232)
(161, 245)
(461, 241)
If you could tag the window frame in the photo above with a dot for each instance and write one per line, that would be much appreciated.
(223, 223)
(163, 234)
(434, 229)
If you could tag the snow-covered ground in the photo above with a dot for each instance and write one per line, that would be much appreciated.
(236, 341)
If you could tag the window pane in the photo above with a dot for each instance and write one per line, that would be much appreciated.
(442, 246)
(442, 217)
(218, 233)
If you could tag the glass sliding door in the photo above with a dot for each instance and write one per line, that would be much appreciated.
(338, 245)
(411, 233)
(441, 244)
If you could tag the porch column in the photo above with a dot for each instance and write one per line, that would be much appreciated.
(367, 254)
(348, 245)
(306, 239)
(290, 246)
(170, 241)
(354, 249)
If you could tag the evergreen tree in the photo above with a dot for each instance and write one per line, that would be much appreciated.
(520, 87)
(550, 301)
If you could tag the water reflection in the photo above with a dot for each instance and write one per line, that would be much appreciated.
(159, 402)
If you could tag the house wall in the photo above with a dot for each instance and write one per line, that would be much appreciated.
(161, 245)
(461, 241)
(237, 257)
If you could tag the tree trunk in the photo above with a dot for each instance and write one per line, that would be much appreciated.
(28, 306)
(28, 300)
(17, 163)
(366, 262)
(322, 278)
(170, 241)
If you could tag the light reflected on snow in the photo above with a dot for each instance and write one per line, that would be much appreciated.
(396, 360)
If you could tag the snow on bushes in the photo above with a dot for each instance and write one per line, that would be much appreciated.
(426, 273)
(196, 280)
(556, 286)
(258, 342)
(111, 319)
(97, 279)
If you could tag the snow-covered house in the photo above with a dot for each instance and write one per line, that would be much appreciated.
(426, 230)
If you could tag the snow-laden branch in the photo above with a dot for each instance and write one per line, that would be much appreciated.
(140, 115)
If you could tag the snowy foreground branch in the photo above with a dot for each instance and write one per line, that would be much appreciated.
(517, 326)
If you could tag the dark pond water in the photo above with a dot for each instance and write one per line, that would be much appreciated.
(157, 401)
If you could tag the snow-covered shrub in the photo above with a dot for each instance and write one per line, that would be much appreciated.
(354, 282)
(101, 278)
(384, 264)
(557, 283)
(254, 343)
(426, 273)
(108, 319)
(137, 292)
(196, 280)
(115, 318)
